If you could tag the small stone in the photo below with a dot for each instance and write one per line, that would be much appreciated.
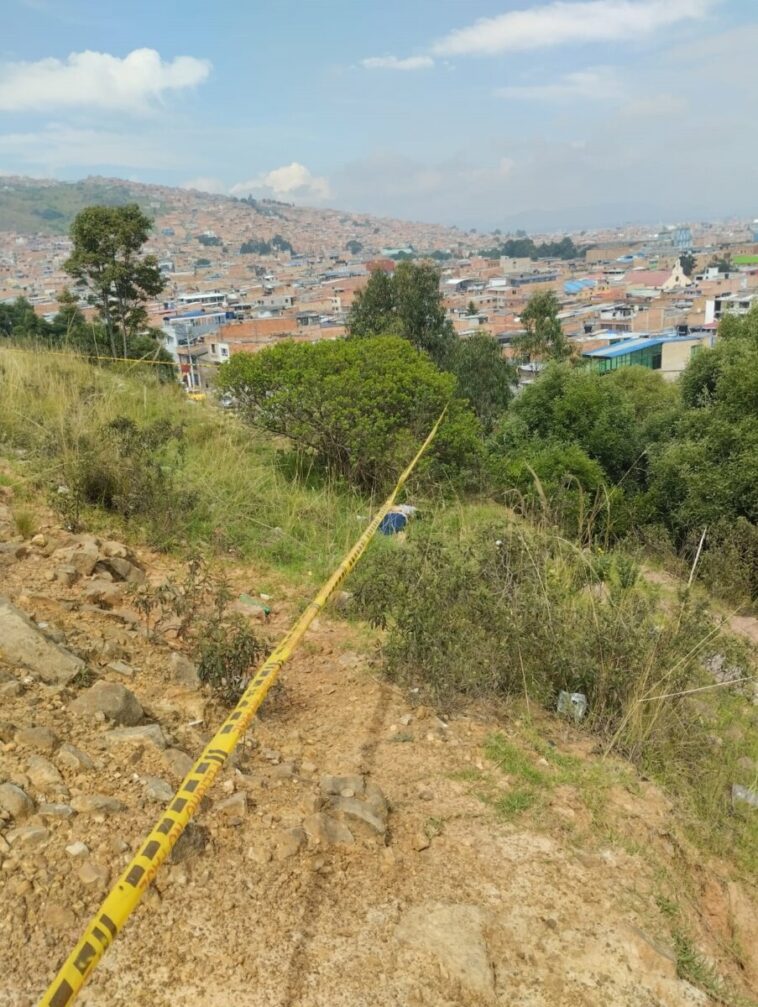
(44, 775)
(144, 734)
(93, 875)
(58, 917)
(113, 548)
(420, 842)
(284, 771)
(121, 668)
(406, 719)
(234, 806)
(334, 785)
(158, 790)
(78, 849)
(48, 811)
(190, 844)
(15, 801)
(73, 758)
(289, 842)
(28, 837)
(183, 670)
(425, 794)
(118, 703)
(41, 739)
(323, 830)
(67, 574)
(82, 556)
(122, 569)
(359, 815)
(39, 540)
(97, 804)
(178, 762)
(307, 767)
(104, 593)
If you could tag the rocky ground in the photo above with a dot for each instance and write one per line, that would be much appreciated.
(346, 857)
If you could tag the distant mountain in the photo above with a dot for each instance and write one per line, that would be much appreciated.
(41, 206)
(32, 206)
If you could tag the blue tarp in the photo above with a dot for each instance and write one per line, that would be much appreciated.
(392, 523)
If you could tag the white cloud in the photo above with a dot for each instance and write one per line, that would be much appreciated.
(98, 80)
(292, 182)
(597, 84)
(396, 63)
(205, 183)
(563, 22)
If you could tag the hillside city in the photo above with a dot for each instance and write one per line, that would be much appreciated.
(241, 275)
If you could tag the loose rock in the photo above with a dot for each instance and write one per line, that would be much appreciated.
(73, 758)
(117, 703)
(97, 804)
(104, 593)
(323, 830)
(22, 643)
(93, 875)
(28, 837)
(48, 811)
(289, 842)
(183, 670)
(44, 775)
(234, 806)
(158, 790)
(190, 844)
(15, 801)
(41, 739)
(178, 762)
(77, 849)
(144, 734)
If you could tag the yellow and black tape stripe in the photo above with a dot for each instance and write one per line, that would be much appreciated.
(138, 875)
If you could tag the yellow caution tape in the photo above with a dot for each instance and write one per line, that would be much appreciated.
(124, 897)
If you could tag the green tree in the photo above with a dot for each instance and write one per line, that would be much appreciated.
(543, 338)
(472, 309)
(360, 406)
(687, 262)
(484, 377)
(354, 247)
(19, 321)
(108, 260)
(407, 304)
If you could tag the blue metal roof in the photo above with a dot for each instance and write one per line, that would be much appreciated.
(627, 346)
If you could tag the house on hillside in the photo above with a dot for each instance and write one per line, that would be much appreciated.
(668, 354)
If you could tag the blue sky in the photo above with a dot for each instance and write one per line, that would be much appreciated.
(486, 113)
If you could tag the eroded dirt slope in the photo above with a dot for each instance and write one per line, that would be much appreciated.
(447, 905)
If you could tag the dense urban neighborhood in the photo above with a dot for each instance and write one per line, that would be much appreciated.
(244, 274)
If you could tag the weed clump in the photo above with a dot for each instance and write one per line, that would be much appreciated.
(126, 468)
(519, 612)
(196, 609)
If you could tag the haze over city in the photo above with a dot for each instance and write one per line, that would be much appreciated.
(493, 113)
